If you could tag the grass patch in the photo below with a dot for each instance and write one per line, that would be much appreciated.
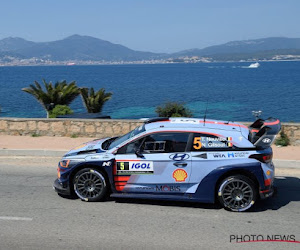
(74, 136)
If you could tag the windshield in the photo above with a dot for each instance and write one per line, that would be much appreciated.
(123, 138)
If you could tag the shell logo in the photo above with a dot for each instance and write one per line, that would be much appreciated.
(180, 175)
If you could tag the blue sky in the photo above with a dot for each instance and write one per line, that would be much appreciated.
(151, 25)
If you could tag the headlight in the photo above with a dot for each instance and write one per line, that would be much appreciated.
(69, 163)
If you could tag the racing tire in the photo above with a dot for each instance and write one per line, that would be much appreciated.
(90, 185)
(237, 193)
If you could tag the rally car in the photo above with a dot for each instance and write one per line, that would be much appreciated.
(184, 159)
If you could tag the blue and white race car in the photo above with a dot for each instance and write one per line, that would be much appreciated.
(184, 159)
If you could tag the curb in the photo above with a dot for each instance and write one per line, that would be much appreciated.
(286, 164)
(32, 152)
(59, 153)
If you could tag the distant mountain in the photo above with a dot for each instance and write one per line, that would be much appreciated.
(246, 46)
(86, 48)
(75, 47)
(14, 43)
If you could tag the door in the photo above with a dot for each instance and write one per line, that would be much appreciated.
(156, 163)
(209, 152)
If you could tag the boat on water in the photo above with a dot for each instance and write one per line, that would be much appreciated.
(254, 65)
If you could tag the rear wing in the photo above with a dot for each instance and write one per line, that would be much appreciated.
(263, 132)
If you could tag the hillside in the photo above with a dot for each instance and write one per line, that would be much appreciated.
(75, 47)
(246, 46)
(86, 49)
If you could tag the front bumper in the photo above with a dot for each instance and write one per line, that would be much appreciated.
(266, 193)
(61, 188)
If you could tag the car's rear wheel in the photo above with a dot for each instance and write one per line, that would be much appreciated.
(90, 185)
(237, 193)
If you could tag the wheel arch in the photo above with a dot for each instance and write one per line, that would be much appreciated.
(207, 188)
(89, 165)
(232, 172)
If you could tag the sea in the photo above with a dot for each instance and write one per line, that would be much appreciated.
(224, 91)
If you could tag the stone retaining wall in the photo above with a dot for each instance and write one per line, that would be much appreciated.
(66, 127)
(93, 128)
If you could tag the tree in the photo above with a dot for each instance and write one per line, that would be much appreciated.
(61, 93)
(173, 109)
(60, 110)
(94, 101)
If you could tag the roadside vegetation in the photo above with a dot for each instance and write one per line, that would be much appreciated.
(35, 135)
(94, 101)
(283, 140)
(173, 109)
(60, 110)
(56, 98)
(60, 93)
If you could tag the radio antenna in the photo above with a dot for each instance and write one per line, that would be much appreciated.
(205, 114)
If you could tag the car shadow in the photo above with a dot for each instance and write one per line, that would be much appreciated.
(168, 203)
(287, 189)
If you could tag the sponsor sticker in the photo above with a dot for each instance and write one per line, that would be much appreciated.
(266, 140)
(167, 188)
(145, 188)
(179, 157)
(212, 142)
(135, 167)
(180, 175)
(241, 154)
(203, 156)
(228, 155)
(106, 163)
(189, 121)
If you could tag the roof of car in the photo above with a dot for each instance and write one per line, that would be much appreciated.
(192, 123)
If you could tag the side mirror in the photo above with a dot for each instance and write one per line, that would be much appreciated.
(139, 154)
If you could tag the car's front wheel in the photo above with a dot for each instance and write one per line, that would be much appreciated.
(90, 185)
(237, 193)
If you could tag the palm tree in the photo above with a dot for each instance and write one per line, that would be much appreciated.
(94, 101)
(60, 93)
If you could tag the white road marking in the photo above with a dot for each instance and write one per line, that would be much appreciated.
(15, 218)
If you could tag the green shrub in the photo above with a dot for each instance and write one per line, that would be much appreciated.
(60, 110)
(283, 140)
(74, 136)
(173, 109)
(35, 135)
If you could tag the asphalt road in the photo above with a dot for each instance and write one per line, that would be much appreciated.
(33, 216)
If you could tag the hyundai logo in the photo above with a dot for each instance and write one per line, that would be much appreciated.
(266, 140)
(179, 157)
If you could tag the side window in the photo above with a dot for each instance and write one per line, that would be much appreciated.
(158, 143)
(130, 148)
(210, 142)
(165, 143)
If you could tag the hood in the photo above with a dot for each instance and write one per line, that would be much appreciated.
(95, 146)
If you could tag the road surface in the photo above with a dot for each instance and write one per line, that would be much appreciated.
(33, 216)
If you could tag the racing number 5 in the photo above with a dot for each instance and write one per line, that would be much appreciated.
(197, 143)
(122, 165)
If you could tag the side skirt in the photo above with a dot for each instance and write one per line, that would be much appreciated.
(172, 197)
